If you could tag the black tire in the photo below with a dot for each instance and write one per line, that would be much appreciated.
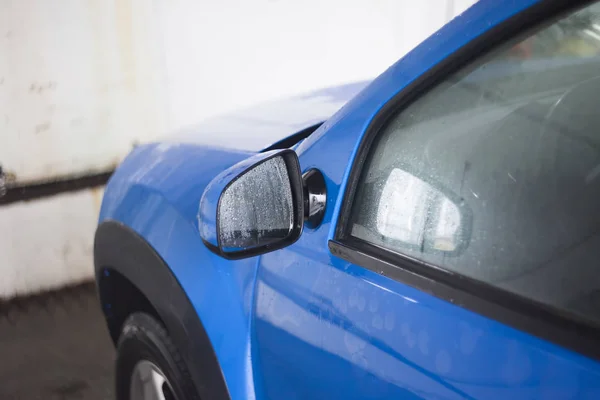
(144, 338)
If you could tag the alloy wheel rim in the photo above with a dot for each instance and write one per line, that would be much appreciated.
(148, 382)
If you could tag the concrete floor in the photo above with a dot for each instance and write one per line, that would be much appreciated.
(55, 346)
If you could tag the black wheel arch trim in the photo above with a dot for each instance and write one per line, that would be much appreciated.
(118, 247)
(559, 327)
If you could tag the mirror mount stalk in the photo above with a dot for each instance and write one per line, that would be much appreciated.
(315, 197)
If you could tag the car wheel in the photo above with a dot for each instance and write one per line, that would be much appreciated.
(148, 366)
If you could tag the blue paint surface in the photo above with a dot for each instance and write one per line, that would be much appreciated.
(300, 323)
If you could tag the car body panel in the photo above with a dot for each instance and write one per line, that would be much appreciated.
(303, 323)
(379, 338)
(156, 193)
(122, 256)
(259, 126)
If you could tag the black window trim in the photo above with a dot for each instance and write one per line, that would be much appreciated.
(546, 322)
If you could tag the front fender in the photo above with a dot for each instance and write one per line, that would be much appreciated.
(155, 193)
(116, 247)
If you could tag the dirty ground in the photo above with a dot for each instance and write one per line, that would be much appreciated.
(55, 347)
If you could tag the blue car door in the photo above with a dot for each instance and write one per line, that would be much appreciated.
(458, 253)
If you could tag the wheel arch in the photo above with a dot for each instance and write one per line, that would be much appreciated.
(119, 254)
(120, 298)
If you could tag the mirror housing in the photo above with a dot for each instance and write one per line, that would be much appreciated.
(254, 207)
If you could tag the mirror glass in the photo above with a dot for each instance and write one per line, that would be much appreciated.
(416, 214)
(257, 208)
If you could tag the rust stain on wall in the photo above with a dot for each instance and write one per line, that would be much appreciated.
(42, 127)
(40, 88)
(97, 193)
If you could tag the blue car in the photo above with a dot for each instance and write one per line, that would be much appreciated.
(432, 234)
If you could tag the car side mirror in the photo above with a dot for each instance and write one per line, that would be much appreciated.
(253, 207)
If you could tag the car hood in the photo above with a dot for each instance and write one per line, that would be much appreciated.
(257, 127)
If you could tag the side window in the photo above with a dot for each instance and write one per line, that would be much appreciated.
(495, 173)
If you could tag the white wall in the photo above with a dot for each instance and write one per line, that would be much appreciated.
(82, 80)
(225, 55)
(46, 244)
(79, 82)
